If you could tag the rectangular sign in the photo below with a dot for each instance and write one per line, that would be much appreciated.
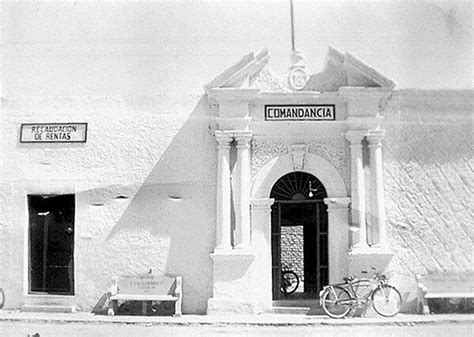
(321, 112)
(146, 284)
(53, 133)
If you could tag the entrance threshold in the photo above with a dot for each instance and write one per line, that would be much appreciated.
(49, 303)
(296, 307)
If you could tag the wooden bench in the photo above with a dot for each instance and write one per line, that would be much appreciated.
(451, 286)
(146, 288)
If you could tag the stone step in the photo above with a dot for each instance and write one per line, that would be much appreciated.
(48, 308)
(296, 303)
(289, 310)
(298, 307)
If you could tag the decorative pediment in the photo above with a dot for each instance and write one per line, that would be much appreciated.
(340, 70)
(345, 70)
(240, 73)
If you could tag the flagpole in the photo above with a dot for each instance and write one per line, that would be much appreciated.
(292, 27)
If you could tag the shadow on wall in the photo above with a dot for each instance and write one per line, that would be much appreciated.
(170, 220)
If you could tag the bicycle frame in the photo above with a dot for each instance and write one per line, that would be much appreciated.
(366, 283)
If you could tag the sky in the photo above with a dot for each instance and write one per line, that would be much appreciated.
(58, 48)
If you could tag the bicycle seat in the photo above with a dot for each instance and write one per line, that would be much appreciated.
(348, 279)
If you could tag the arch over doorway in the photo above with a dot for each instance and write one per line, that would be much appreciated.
(319, 167)
(337, 214)
(299, 235)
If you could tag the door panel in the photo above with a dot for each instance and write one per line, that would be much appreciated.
(276, 250)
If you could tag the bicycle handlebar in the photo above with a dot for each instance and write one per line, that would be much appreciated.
(378, 276)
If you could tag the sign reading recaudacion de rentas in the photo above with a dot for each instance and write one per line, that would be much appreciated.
(321, 112)
(53, 133)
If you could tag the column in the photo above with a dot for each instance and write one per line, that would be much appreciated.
(359, 226)
(377, 198)
(223, 226)
(242, 208)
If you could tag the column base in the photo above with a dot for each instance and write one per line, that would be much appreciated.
(381, 248)
(364, 259)
(233, 307)
(232, 284)
(243, 255)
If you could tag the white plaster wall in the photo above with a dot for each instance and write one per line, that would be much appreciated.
(145, 148)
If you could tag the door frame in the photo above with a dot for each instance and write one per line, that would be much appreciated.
(338, 202)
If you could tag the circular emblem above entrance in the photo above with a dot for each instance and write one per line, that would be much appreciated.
(297, 78)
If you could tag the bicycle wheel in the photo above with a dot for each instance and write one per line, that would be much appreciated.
(331, 298)
(289, 282)
(386, 301)
(2, 298)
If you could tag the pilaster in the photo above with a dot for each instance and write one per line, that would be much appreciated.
(261, 246)
(338, 238)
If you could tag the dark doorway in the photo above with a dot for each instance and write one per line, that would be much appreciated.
(299, 235)
(51, 236)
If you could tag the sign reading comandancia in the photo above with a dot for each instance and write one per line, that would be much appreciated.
(300, 112)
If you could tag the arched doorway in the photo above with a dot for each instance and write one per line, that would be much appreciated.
(299, 227)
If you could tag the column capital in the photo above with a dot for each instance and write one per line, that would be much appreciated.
(243, 138)
(262, 204)
(355, 136)
(337, 203)
(374, 137)
(223, 137)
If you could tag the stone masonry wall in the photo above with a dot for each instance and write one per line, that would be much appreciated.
(292, 245)
(429, 183)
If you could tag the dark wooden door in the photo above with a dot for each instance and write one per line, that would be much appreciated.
(51, 236)
(316, 250)
(276, 250)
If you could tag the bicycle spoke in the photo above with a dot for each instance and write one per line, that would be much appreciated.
(386, 301)
(332, 300)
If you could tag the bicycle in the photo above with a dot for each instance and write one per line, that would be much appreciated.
(338, 299)
(2, 298)
(289, 282)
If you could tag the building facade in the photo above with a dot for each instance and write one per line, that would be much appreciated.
(210, 187)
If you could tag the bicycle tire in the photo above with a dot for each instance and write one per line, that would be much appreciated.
(290, 282)
(2, 298)
(386, 300)
(329, 299)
